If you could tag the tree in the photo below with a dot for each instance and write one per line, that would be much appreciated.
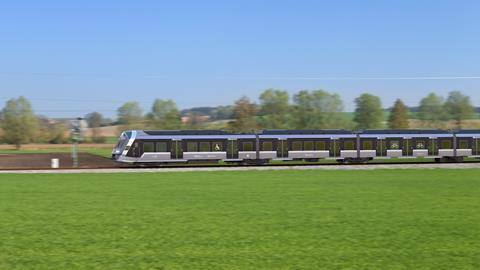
(368, 113)
(244, 113)
(164, 115)
(19, 122)
(431, 110)
(398, 118)
(193, 120)
(130, 115)
(459, 107)
(94, 121)
(318, 109)
(274, 109)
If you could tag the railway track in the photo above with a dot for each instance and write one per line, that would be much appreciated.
(271, 166)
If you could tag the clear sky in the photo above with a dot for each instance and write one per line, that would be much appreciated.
(73, 57)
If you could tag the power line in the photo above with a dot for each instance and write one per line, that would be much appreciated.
(265, 77)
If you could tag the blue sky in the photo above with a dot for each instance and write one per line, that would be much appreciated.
(70, 58)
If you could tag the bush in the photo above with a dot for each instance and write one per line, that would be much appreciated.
(99, 139)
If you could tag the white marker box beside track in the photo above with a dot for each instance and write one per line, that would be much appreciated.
(55, 163)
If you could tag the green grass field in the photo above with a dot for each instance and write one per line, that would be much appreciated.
(384, 219)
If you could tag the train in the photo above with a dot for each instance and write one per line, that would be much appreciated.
(157, 147)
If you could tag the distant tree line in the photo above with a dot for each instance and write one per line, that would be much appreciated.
(276, 109)
(306, 109)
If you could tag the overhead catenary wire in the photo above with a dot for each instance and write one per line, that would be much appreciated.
(238, 76)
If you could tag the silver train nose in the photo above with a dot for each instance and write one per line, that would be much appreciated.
(116, 154)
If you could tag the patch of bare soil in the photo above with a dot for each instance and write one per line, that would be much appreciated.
(34, 146)
(43, 161)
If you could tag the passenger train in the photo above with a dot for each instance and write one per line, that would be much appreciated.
(142, 147)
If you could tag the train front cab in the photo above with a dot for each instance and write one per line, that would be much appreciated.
(171, 147)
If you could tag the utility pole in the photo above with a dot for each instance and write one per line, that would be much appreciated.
(77, 127)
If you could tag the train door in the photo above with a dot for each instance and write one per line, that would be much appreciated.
(232, 149)
(432, 147)
(282, 148)
(476, 150)
(382, 147)
(334, 148)
(407, 147)
(177, 149)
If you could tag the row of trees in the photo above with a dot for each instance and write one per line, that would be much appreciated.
(317, 109)
(19, 125)
(322, 110)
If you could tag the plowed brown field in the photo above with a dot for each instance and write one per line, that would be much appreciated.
(43, 161)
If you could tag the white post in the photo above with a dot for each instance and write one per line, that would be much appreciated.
(55, 163)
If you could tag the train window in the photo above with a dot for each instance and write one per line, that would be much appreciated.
(394, 144)
(320, 145)
(192, 147)
(204, 147)
(367, 145)
(446, 144)
(420, 145)
(308, 146)
(463, 144)
(247, 146)
(217, 146)
(267, 146)
(148, 147)
(297, 146)
(161, 147)
(349, 145)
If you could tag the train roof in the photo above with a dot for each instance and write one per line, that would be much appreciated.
(469, 131)
(304, 132)
(404, 131)
(185, 132)
(188, 134)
